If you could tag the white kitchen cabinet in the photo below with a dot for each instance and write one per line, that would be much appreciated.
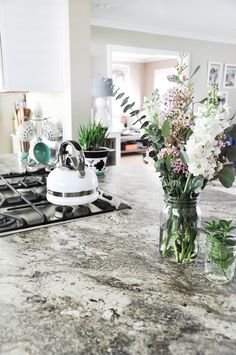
(32, 45)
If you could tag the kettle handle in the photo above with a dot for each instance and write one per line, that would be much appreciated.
(79, 163)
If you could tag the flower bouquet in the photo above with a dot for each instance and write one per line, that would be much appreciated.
(189, 149)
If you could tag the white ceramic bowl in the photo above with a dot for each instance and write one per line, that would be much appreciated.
(26, 132)
(50, 132)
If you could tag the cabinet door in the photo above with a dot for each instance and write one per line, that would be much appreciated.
(32, 44)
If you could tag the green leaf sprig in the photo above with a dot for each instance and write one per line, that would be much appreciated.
(220, 231)
(222, 242)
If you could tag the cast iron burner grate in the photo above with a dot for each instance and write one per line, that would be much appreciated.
(23, 204)
(8, 223)
(24, 180)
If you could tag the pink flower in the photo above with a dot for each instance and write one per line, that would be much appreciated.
(175, 152)
(179, 167)
(162, 153)
(221, 143)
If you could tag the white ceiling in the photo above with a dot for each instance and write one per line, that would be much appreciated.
(213, 20)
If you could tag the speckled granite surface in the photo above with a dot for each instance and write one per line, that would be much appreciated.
(98, 285)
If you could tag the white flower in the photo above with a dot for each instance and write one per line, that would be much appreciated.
(202, 146)
(151, 105)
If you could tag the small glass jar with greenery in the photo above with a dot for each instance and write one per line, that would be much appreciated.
(220, 252)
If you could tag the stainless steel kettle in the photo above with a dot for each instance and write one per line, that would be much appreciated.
(71, 183)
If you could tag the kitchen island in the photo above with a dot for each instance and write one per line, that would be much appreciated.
(99, 286)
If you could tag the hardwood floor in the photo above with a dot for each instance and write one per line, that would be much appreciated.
(132, 159)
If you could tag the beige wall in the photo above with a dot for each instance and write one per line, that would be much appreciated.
(136, 81)
(141, 84)
(141, 76)
(200, 53)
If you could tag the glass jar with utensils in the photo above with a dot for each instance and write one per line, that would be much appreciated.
(43, 148)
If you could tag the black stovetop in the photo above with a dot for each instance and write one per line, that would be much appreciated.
(23, 204)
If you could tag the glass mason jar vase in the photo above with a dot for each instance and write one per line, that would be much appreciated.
(220, 260)
(180, 223)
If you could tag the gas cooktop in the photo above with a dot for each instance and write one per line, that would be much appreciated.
(23, 204)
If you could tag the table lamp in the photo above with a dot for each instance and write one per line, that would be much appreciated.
(102, 88)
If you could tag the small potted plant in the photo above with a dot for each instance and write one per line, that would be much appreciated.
(92, 139)
(220, 253)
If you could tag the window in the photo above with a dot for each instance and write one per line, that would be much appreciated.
(160, 79)
(121, 79)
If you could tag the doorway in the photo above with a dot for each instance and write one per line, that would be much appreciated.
(136, 71)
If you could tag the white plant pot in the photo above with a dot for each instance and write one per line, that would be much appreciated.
(96, 159)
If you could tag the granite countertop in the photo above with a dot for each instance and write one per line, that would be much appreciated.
(98, 285)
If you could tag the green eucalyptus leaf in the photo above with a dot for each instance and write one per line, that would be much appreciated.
(152, 154)
(184, 156)
(158, 146)
(144, 158)
(224, 224)
(124, 102)
(165, 129)
(139, 119)
(203, 100)
(188, 134)
(128, 107)
(226, 177)
(197, 184)
(155, 138)
(117, 90)
(159, 165)
(144, 136)
(195, 71)
(145, 124)
(230, 152)
(120, 96)
(134, 113)
(230, 242)
(168, 163)
(227, 262)
(142, 117)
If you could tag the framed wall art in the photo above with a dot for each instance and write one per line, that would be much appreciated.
(214, 73)
(230, 76)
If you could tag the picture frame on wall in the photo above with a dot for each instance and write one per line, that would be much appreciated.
(214, 73)
(230, 76)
